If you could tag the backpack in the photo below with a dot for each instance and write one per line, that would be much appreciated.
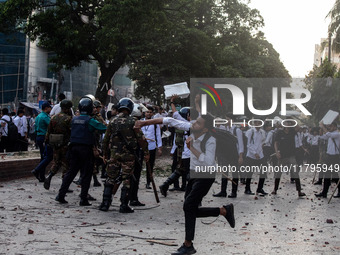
(226, 146)
(12, 129)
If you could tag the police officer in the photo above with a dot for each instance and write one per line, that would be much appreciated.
(59, 130)
(81, 151)
(120, 143)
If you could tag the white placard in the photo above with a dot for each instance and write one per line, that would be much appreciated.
(329, 117)
(179, 89)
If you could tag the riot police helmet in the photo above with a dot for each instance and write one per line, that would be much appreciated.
(185, 112)
(66, 104)
(85, 106)
(97, 103)
(137, 112)
(91, 97)
(125, 103)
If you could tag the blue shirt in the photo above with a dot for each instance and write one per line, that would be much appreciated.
(41, 123)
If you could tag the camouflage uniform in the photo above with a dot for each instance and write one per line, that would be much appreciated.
(120, 143)
(60, 124)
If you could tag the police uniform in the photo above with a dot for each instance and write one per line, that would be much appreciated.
(81, 151)
(120, 143)
(60, 124)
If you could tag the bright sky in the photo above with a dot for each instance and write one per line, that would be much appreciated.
(293, 27)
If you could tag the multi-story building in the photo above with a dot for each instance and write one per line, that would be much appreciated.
(321, 53)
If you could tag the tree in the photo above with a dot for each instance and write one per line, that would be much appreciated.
(324, 88)
(208, 39)
(108, 32)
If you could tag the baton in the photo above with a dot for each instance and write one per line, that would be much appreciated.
(152, 181)
(333, 192)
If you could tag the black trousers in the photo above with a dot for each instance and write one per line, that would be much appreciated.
(196, 190)
(174, 166)
(330, 160)
(22, 144)
(255, 162)
(152, 163)
(136, 177)
(81, 158)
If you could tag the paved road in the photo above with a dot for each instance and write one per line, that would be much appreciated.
(33, 223)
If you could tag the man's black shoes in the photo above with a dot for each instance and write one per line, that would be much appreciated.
(163, 189)
(261, 192)
(248, 192)
(220, 194)
(321, 195)
(61, 200)
(230, 214)
(136, 203)
(232, 195)
(36, 174)
(185, 250)
(84, 202)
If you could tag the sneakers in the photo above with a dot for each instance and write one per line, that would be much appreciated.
(184, 250)
(230, 214)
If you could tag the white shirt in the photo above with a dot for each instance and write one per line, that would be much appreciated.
(298, 139)
(239, 135)
(149, 133)
(21, 123)
(57, 109)
(269, 139)
(313, 140)
(207, 158)
(4, 130)
(255, 139)
(186, 152)
(333, 144)
(182, 125)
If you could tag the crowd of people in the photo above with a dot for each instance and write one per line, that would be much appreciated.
(120, 141)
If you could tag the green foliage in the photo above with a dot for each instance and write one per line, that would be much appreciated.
(207, 39)
(325, 90)
(163, 41)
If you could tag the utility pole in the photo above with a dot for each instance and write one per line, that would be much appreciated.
(329, 47)
(16, 94)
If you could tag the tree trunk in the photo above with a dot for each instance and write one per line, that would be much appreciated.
(107, 71)
(104, 84)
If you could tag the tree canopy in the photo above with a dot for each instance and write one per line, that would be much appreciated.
(324, 85)
(163, 41)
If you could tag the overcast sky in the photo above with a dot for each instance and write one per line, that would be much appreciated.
(294, 27)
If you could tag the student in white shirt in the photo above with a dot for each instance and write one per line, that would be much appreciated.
(332, 157)
(197, 188)
(5, 143)
(21, 122)
(255, 157)
(152, 134)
